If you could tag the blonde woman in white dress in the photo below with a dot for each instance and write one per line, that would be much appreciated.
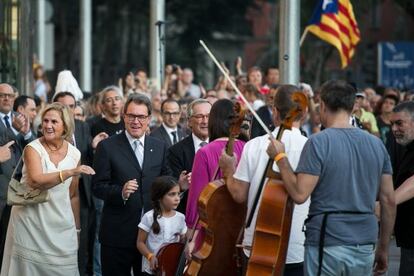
(42, 239)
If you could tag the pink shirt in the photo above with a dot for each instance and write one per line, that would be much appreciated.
(204, 167)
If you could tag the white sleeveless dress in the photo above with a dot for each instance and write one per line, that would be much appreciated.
(41, 239)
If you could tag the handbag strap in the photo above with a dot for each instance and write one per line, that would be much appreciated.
(17, 165)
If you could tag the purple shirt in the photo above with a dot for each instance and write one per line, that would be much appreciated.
(204, 168)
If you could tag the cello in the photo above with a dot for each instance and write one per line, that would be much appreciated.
(271, 235)
(222, 218)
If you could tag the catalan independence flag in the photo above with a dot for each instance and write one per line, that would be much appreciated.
(334, 22)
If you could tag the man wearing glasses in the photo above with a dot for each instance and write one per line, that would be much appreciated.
(181, 155)
(169, 132)
(126, 164)
(13, 127)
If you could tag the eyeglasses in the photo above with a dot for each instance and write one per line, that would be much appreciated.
(171, 114)
(132, 117)
(6, 95)
(200, 116)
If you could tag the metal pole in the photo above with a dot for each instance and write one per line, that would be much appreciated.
(289, 41)
(86, 45)
(26, 19)
(40, 24)
(157, 50)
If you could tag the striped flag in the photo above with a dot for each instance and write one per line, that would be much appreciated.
(334, 22)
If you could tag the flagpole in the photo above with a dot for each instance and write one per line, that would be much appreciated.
(303, 37)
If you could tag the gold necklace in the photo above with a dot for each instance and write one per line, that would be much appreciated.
(58, 148)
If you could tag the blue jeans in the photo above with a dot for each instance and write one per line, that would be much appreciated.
(350, 260)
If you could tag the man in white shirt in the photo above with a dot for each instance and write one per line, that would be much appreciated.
(244, 184)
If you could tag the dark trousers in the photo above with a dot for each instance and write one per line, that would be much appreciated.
(407, 262)
(87, 236)
(4, 222)
(295, 269)
(119, 261)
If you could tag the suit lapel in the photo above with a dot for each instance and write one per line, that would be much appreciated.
(78, 132)
(189, 148)
(127, 150)
(181, 134)
(148, 151)
(8, 135)
(166, 136)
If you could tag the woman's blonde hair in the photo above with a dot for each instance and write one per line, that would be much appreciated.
(65, 115)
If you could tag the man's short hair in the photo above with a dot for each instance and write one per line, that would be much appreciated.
(406, 107)
(392, 97)
(63, 94)
(193, 104)
(21, 101)
(271, 68)
(138, 98)
(110, 88)
(169, 100)
(338, 95)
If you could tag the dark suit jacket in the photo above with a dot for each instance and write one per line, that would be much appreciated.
(266, 117)
(83, 140)
(115, 163)
(7, 167)
(162, 134)
(180, 157)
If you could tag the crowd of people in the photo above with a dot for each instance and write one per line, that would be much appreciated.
(125, 168)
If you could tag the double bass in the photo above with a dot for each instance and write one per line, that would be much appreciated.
(271, 235)
(222, 218)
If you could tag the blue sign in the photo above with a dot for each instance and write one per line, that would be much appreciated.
(396, 64)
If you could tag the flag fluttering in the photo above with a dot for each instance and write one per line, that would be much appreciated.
(334, 22)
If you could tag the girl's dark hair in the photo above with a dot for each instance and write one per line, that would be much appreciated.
(221, 114)
(283, 99)
(160, 187)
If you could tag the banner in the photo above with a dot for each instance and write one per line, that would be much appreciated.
(396, 64)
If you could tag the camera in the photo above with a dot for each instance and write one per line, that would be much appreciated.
(175, 68)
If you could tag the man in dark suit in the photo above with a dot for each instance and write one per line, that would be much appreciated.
(83, 141)
(169, 131)
(265, 113)
(126, 165)
(13, 127)
(181, 155)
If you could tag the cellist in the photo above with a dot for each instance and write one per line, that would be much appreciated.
(205, 166)
(244, 184)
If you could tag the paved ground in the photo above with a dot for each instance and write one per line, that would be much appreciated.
(394, 259)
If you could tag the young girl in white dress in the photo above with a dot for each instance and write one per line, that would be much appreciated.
(162, 224)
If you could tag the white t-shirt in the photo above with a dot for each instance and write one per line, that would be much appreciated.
(251, 168)
(258, 104)
(170, 230)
